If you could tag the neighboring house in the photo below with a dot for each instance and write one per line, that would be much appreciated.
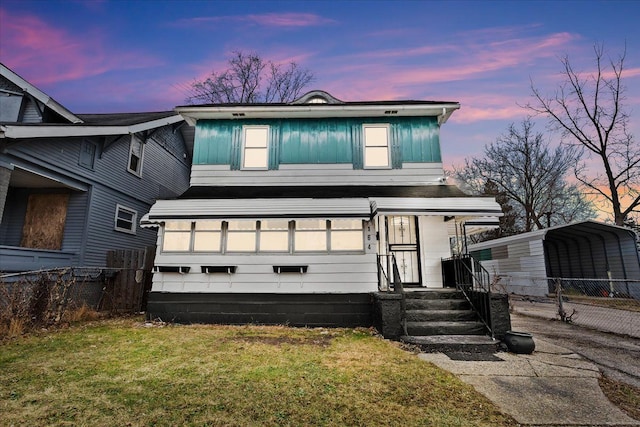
(583, 250)
(74, 186)
(293, 209)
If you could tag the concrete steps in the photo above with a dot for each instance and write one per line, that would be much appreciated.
(442, 320)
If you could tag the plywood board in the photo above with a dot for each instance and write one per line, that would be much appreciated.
(44, 221)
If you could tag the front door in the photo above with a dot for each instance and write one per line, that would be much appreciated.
(402, 241)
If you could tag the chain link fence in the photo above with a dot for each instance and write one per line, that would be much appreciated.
(608, 305)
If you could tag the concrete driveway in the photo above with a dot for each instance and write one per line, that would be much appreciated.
(618, 357)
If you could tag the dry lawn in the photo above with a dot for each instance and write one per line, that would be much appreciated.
(123, 372)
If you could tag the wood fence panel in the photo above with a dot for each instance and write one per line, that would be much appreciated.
(128, 288)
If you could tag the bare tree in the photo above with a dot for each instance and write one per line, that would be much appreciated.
(530, 176)
(250, 79)
(587, 108)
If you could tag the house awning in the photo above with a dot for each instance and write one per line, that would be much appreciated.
(164, 210)
(446, 206)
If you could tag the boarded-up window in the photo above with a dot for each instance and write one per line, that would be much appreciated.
(44, 221)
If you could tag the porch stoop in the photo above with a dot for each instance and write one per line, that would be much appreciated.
(442, 320)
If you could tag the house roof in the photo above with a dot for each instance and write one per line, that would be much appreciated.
(583, 228)
(322, 192)
(92, 125)
(38, 94)
(319, 104)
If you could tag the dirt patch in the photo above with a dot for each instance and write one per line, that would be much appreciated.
(321, 341)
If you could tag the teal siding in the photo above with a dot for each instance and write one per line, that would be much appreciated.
(317, 141)
(419, 140)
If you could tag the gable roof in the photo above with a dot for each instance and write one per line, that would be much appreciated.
(36, 93)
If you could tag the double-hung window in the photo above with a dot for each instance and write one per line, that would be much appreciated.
(255, 153)
(136, 153)
(376, 146)
(125, 219)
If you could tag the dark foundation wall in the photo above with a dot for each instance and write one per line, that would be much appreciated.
(312, 310)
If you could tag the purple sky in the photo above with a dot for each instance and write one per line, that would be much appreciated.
(120, 56)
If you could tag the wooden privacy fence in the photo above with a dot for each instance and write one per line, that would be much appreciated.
(130, 282)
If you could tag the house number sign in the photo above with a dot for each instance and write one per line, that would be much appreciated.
(370, 243)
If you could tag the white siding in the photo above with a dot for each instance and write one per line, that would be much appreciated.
(311, 174)
(254, 274)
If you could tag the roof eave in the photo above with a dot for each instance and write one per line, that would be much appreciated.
(194, 113)
(44, 131)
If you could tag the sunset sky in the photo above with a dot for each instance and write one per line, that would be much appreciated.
(122, 56)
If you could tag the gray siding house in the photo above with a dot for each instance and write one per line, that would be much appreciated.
(74, 186)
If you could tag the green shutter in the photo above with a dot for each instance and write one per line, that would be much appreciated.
(274, 147)
(356, 146)
(396, 146)
(236, 148)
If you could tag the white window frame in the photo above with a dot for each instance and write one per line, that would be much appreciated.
(138, 171)
(134, 220)
(385, 126)
(245, 147)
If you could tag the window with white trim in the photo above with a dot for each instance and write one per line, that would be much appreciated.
(310, 235)
(264, 236)
(136, 154)
(347, 235)
(207, 236)
(177, 236)
(255, 146)
(241, 236)
(376, 146)
(274, 236)
(125, 219)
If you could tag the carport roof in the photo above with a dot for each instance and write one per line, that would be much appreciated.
(585, 228)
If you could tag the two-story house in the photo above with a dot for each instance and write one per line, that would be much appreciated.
(294, 209)
(74, 186)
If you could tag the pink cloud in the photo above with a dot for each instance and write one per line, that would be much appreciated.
(54, 55)
(267, 20)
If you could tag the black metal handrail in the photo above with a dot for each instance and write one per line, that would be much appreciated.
(393, 283)
(389, 278)
(471, 276)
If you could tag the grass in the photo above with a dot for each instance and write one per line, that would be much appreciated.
(628, 304)
(624, 396)
(121, 372)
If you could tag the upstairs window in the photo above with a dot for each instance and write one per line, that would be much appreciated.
(255, 147)
(376, 146)
(126, 219)
(136, 152)
(87, 154)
